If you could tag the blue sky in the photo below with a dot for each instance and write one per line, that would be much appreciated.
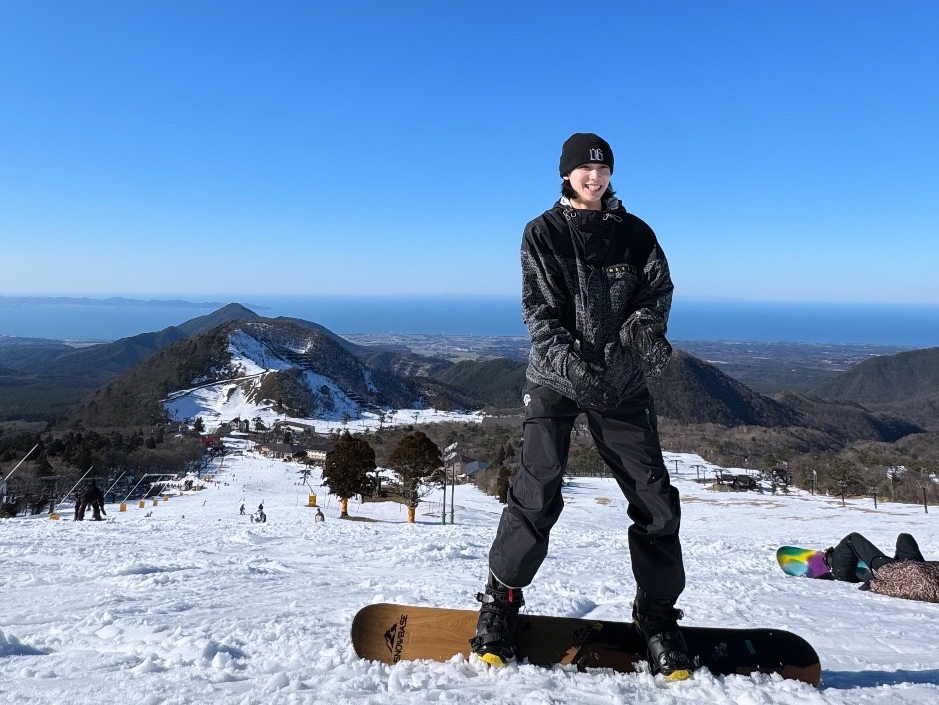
(781, 150)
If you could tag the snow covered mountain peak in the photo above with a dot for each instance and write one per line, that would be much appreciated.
(267, 369)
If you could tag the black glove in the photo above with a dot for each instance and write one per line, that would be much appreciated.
(648, 340)
(655, 350)
(590, 389)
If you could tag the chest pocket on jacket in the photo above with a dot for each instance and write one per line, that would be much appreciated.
(622, 280)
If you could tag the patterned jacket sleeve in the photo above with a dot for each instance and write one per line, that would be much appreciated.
(911, 580)
(545, 296)
(653, 298)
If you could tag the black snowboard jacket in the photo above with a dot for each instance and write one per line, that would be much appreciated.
(93, 494)
(589, 279)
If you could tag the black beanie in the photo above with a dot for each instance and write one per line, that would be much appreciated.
(584, 148)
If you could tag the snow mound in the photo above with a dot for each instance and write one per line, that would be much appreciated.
(11, 646)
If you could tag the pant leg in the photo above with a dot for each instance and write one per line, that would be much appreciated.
(849, 551)
(907, 549)
(628, 441)
(534, 500)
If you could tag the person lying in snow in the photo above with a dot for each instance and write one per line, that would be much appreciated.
(907, 574)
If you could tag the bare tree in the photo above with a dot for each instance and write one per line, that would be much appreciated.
(896, 474)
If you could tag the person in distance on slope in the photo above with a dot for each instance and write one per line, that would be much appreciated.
(596, 294)
(79, 509)
(907, 574)
(94, 498)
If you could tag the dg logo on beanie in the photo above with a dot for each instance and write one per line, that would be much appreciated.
(584, 148)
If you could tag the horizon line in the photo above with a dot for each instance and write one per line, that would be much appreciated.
(226, 300)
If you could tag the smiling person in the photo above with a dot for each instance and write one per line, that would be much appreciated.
(596, 294)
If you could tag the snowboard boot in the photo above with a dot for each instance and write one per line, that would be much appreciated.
(907, 549)
(657, 621)
(497, 625)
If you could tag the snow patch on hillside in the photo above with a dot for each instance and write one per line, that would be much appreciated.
(369, 381)
(341, 403)
(251, 356)
(222, 401)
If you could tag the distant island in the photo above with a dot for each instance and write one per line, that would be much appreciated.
(21, 301)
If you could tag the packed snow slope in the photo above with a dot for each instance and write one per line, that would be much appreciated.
(188, 602)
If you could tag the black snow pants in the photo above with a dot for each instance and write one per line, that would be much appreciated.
(628, 442)
(853, 549)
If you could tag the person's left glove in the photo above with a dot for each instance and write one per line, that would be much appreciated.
(648, 340)
(590, 389)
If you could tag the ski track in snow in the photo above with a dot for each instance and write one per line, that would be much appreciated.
(197, 605)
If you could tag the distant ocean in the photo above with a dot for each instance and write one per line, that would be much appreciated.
(886, 324)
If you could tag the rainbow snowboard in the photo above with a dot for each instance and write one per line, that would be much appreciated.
(803, 562)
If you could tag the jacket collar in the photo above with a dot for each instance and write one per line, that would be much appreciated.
(611, 204)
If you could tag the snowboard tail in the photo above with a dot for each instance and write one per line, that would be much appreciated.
(802, 562)
(390, 633)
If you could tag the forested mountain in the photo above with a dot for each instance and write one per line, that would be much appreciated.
(131, 376)
(268, 362)
(226, 314)
(906, 384)
(500, 382)
(44, 377)
(694, 391)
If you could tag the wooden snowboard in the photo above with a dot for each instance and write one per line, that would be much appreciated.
(391, 633)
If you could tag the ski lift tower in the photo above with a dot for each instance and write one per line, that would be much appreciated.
(449, 454)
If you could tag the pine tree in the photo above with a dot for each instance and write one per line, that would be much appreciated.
(305, 471)
(43, 466)
(502, 483)
(415, 459)
(346, 469)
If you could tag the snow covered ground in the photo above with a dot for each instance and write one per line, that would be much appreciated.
(194, 604)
